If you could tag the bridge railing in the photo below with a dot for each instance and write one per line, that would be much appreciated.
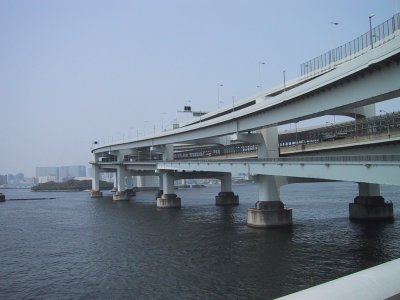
(342, 158)
(380, 34)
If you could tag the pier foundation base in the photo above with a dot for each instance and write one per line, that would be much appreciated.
(226, 199)
(96, 194)
(159, 194)
(121, 196)
(269, 214)
(370, 208)
(169, 201)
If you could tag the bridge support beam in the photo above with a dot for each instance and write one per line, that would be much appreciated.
(269, 211)
(168, 199)
(121, 194)
(226, 197)
(95, 192)
(369, 205)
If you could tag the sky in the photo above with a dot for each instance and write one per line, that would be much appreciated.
(77, 71)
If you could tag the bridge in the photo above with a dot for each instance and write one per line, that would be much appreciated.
(348, 80)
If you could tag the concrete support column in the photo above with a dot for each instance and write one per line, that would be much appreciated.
(114, 189)
(269, 144)
(121, 194)
(369, 205)
(160, 189)
(226, 197)
(168, 152)
(168, 199)
(269, 210)
(95, 192)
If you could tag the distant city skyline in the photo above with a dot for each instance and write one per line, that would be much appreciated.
(72, 73)
(44, 174)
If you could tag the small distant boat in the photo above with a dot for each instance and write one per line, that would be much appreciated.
(2, 198)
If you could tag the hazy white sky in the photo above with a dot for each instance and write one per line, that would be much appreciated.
(72, 72)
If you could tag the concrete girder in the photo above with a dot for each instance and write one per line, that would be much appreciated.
(369, 172)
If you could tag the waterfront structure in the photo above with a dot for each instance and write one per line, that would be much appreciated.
(44, 179)
(347, 80)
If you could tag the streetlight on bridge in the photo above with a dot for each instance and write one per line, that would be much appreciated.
(370, 30)
(259, 74)
(219, 85)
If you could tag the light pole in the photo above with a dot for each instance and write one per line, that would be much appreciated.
(284, 80)
(332, 56)
(162, 121)
(259, 73)
(218, 87)
(370, 30)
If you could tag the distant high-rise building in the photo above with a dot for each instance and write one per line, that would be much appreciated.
(47, 172)
(3, 179)
(70, 172)
(20, 177)
(60, 174)
(10, 178)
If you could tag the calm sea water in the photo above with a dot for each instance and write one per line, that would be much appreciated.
(75, 247)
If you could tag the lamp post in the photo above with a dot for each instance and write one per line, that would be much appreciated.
(218, 87)
(259, 73)
(162, 121)
(370, 30)
(284, 80)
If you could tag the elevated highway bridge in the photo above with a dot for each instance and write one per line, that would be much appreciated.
(347, 80)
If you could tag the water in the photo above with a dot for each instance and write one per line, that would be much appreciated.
(75, 247)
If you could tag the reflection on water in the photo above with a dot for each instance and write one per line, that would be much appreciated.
(77, 247)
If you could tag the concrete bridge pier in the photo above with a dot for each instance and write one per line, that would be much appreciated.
(269, 211)
(160, 190)
(121, 194)
(95, 192)
(168, 199)
(131, 186)
(369, 205)
(226, 197)
(114, 189)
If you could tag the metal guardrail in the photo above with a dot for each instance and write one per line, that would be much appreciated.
(351, 49)
(343, 158)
